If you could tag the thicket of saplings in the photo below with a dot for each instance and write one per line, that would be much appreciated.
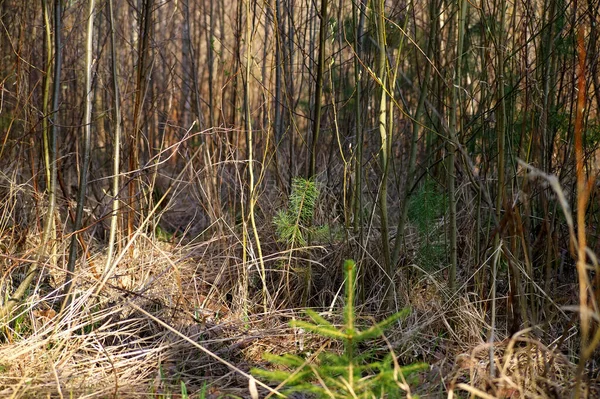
(245, 199)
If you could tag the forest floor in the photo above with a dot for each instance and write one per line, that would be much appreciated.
(168, 325)
(185, 318)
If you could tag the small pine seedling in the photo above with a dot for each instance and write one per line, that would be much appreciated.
(350, 374)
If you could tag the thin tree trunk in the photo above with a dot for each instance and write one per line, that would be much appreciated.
(316, 128)
(584, 186)
(51, 189)
(500, 137)
(252, 193)
(116, 139)
(382, 121)
(237, 58)
(357, 200)
(140, 95)
(291, 100)
(453, 142)
(278, 28)
(49, 153)
(87, 144)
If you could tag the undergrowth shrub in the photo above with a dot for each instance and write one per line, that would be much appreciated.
(425, 209)
(350, 374)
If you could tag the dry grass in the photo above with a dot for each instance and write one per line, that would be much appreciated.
(172, 313)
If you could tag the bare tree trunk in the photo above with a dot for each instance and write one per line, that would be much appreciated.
(209, 29)
(384, 151)
(143, 71)
(116, 141)
(237, 59)
(51, 189)
(252, 193)
(357, 200)
(87, 145)
(316, 127)
(452, 145)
